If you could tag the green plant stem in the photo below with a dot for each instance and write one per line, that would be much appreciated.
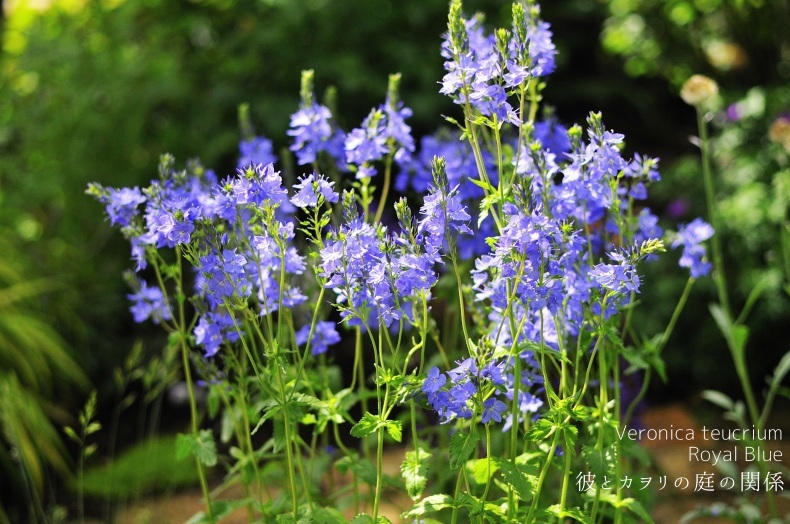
(379, 464)
(618, 512)
(190, 385)
(565, 480)
(194, 416)
(719, 276)
(289, 459)
(737, 349)
(657, 350)
(385, 188)
(544, 470)
(454, 518)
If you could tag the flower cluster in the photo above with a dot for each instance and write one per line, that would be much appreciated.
(376, 273)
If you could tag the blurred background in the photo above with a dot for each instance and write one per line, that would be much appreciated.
(97, 90)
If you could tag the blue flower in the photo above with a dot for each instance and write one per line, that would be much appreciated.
(121, 204)
(149, 302)
(311, 127)
(324, 335)
(619, 278)
(257, 150)
(367, 144)
(434, 381)
(690, 237)
(553, 136)
(493, 408)
(224, 275)
(310, 187)
(213, 329)
(259, 183)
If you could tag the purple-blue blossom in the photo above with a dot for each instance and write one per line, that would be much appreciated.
(324, 335)
(691, 237)
(149, 302)
(213, 329)
(310, 187)
(313, 132)
(257, 150)
(121, 204)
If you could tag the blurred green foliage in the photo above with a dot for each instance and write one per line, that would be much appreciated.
(148, 467)
(747, 39)
(744, 45)
(36, 367)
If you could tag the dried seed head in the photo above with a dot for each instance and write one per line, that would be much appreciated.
(699, 90)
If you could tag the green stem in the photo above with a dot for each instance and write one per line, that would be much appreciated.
(542, 477)
(190, 386)
(657, 350)
(289, 460)
(194, 416)
(719, 276)
(385, 189)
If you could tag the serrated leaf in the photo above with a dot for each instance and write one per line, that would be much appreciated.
(362, 518)
(518, 477)
(328, 516)
(601, 462)
(540, 430)
(395, 429)
(415, 472)
(201, 446)
(574, 513)
(430, 505)
(367, 425)
(462, 445)
(638, 509)
(362, 468)
(483, 469)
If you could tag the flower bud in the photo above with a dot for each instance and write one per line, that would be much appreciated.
(699, 90)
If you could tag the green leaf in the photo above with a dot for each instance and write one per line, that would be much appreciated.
(219, 510)
(328, 516)
(600, 461)
(71, 434)
(362, 518)
(519, 477)
(718, 398)
(201, 446)
(395, 430)
(362, 468)
(483, 469)
(630, 504)
(540, 430)
(430, 505)
(637, 508)
(213, 400)
(415, 472)
(462, 445)
(781, 370)
(577, 514)
(367, 425)
(736, 334)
